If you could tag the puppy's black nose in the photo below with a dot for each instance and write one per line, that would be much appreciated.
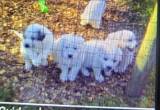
(130, 49)
(26, 46)
(69, 56)
(109, 68)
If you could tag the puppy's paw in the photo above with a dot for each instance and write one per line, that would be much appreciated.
(99, 78)
(85, 72)
(28, 67)
(95, 24)
(71, 77)
(83, 21)
(108, 73)
(63, 77)
(120, 70)
(36, 62)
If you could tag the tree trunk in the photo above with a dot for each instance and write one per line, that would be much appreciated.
(139, 78)
(145, 60)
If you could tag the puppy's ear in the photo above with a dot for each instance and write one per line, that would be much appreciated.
(20, 35)
(81, 39)
(41, 36)
(62, 43)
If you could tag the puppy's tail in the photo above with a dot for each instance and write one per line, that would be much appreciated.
(20, 35)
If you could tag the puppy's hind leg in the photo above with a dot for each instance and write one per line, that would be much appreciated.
(44, 62)
(46, 53)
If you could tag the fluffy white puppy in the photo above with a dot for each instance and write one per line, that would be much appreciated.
(95, 54)
(127, 42)
(64, 50)
(93, 13)
(37, 43)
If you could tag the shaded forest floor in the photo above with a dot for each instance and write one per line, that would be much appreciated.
(42, 85)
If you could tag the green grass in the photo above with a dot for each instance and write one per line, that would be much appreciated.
(144, 7)
(148, 99)
(6, 94)
(104, 101)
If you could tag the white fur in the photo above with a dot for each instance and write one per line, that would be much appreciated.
(126, 40)
(93, 13)
(64, 47)
(95, 54)
(38, 51)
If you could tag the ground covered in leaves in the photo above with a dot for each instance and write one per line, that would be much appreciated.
(42, 85)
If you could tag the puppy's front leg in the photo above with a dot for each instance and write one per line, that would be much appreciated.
(64, 74)
(36, 61)
(28, 64)
(98, 75)
(73, 73)
(44, 57)
(41, 59)
(44, 62)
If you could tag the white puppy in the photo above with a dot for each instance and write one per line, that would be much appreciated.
(127, 41)
(93, 13)
(64, 50)
(95, 54)
(37, 43)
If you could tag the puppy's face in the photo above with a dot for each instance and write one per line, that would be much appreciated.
(124, 39)
(33, 39)
(70, 45)
(112, 59)
(131, 41)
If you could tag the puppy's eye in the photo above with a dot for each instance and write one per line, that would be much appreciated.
(41, 37)
(26, 46)
(130, 40)
(105, 59)
(75, 48)
(32, 38)
(114, 61)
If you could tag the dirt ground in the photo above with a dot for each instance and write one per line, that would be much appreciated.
(42, 85)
